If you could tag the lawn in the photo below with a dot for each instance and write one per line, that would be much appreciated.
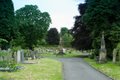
(112, 70)
(73, 53)
(43, 69)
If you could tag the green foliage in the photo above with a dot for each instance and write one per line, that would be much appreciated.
(67, 39)
(64, 30)
(15, 49)
(9, 64)
(4, 53)
(80, 31)
(53, 37)
(32, 23)
(103, 15)
(7, 23)
(42, 42)
(18, 41)
(118, 46)
(3, 42)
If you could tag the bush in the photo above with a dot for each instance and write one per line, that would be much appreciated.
(8, 64)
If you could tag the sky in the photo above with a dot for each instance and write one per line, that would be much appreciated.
(61, 11)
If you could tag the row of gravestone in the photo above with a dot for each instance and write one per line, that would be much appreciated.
(18, 56)
(21, 57)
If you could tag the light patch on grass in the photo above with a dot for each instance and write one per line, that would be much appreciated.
(44, 69)
(67, 55)
(111, 69)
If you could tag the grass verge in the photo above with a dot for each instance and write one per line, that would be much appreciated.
(110, 69)
(44, 69)
(67, 55)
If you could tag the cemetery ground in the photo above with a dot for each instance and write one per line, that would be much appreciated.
(47, 67)
(110, 69)
(43, 69)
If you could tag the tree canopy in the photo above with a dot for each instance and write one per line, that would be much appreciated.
(103, 15)
(95, 17)
(32, 23)
(64, 30)
(66, 37)
(53, 37)
(80, 31)
(7, 25)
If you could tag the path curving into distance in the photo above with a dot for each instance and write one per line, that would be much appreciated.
(77, 69)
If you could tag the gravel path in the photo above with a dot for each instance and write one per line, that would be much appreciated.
(77, 69)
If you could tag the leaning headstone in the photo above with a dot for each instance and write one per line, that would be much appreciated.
(102, 54)
(18, 56)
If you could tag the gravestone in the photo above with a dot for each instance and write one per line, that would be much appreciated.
(114, 55)
(102, 54)
(22, 56)
(18, 56)
(32, 54)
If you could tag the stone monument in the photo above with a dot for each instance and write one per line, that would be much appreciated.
(102, 54)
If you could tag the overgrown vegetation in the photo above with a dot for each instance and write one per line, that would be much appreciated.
(6, 61)
(96, 17)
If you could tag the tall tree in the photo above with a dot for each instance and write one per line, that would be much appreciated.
(53, 37)
(81, 32)
(6, 21)
(103, 15)
(33, 24)
(67, 39)
(64, 30)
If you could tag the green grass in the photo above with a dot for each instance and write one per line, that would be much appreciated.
(112, 70)
(44, 69)
(67, 55)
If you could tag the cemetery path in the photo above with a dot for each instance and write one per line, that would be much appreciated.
(78, 69)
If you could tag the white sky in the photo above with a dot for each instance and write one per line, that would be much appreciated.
(61, 11)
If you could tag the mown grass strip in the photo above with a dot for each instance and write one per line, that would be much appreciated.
(110, 69)
(44, 69)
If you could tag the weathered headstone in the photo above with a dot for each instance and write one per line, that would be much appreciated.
(102, 54)
(114, 55)
(32, 54)
(18, 56)
(22, 56)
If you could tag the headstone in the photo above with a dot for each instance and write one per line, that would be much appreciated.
(114, 55)
(64, 50)
(22, 56)
(18, 56)
(102, 55)
(32, 54)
